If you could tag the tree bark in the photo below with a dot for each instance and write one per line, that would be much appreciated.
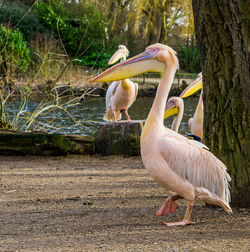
(156, 26)
(222, 32)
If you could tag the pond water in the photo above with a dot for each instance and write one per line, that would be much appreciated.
(91, 111)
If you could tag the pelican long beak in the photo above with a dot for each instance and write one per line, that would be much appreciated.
(192, 88)
(170, 110)
(141, 63)
(116, 56)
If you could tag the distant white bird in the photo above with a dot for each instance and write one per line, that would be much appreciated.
(195, 123)
(120, 94)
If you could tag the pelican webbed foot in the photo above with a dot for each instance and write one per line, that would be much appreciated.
(187, 217)
(179, 223)
(169, 206)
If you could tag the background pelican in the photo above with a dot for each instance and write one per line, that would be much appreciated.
(121, 94)
(195, 123)
(175, 106)
(170, 158)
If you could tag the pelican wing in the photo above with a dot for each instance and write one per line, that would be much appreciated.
(195, 164)
(198, 144)
(111, 91)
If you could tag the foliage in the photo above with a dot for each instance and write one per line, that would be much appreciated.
(90, 31)
(189, 59)
(95, 59)
(18, 15)
(82, 37)
(14, 52)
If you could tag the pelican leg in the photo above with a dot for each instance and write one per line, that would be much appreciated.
(113, 113)
(187, 217)
(169, 206)
(127, 115)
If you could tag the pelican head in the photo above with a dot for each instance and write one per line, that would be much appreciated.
(122, 53)
(173, 106)
(154, 59)
(193, 87)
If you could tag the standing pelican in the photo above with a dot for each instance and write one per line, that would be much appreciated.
(170, 158)
(121, 94)
(195, 124)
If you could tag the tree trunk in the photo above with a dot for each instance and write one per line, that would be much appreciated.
(156, 27)
(222, 32)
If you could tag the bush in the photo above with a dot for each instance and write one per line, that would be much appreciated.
(83, 36)
(17, 14)
(14, 53)
(189, 59)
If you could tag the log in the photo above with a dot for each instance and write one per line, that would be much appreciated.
(39, 143)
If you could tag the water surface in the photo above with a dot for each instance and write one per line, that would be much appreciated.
(90, 112)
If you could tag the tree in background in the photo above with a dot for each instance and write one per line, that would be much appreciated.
(139, 23)
(222, 31)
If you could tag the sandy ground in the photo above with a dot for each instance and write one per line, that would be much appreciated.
(84, 203)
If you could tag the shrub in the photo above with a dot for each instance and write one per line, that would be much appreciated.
(17, 14)
(83, 36)
(14, 53)
(189, 59)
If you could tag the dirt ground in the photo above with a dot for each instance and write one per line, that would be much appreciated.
(96, 203)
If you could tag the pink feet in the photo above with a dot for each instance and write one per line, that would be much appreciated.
(169, 206)
(179, 223)
(186, 220)
(124, 121)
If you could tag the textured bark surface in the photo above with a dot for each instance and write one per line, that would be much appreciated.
(222, 31)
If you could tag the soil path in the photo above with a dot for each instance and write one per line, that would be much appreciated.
(84, 203)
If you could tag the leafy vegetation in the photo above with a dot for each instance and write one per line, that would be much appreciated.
(17, 15)
(14, 52)
(89, 31)
(189, 58)
(83, 37)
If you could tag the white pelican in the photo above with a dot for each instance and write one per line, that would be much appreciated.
(175, 106)
(121, 94)
(171, 159)
(196, 123)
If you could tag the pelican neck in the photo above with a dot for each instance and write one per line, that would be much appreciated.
(156, 114)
